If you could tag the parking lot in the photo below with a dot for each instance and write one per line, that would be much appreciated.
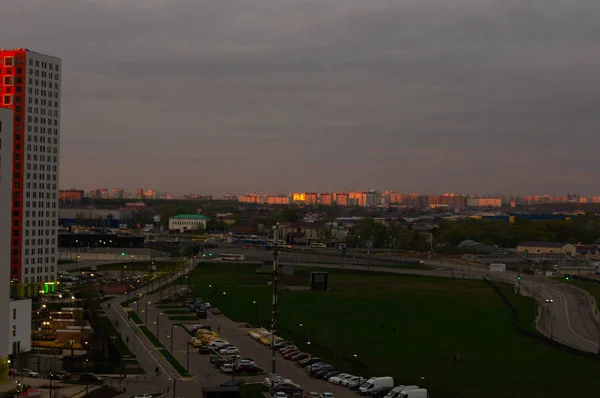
(236, 333)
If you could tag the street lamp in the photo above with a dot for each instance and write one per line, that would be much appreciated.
(172, 327)
(224, 301)
(146, 315)
(157, 319)
(550, 313)
(303, 331)
(256, 310)
(426, 384)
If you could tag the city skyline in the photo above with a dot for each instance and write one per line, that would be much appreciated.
(452, 96)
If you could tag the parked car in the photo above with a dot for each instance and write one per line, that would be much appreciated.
(356, 383)
(227, 368)
(248, 368)
(204, 350)
(280, 394)
(338, 378)
(288, 387)
(310, 361)
(327, 395)
(346, 382)
(27, 373)
(332, 373)
(59, 376)
(144, 395)
(229, 351)
(381, 391)
(203, 327)
(91, 378)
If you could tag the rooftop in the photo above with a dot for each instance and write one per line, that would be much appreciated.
(191, 217)
(543, 244)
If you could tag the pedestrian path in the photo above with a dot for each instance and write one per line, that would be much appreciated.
(147, 355)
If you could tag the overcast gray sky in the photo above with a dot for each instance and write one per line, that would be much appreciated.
(471, 96)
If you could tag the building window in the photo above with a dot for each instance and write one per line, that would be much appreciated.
(14, 313)
(14, 330)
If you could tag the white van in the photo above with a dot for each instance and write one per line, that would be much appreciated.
(417, 393)
(376, 382)
(396, 391)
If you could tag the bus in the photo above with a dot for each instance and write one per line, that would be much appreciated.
(230, 257)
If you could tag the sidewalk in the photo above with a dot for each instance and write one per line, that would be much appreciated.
(146, 354)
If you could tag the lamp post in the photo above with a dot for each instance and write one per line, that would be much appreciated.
(146, 315)
(187, 358)
(426, 384)
(157, 319)
(172, 327)
(225, 300)
(274, 325)
(303, 331)
(256, 310)
(550, 312)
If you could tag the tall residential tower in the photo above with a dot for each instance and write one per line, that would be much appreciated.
(30, 85)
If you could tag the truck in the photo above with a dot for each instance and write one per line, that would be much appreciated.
(375, 383)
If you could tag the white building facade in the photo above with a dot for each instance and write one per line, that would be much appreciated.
(19, 326)
(188, 222)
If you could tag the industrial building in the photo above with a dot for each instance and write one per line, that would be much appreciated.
(97, 218)
(546, 249)
(188, 222)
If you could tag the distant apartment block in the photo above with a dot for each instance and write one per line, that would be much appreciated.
(307, 198)
(447, 199)
(71, 196)
(326, 199)
(277, 200)
(117, 193)
(484, 202)
(139, 193)
(250, 198)
(341, 199)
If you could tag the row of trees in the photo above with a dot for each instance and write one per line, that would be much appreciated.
(400, 235)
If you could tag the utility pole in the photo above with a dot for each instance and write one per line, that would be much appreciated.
(274, 320)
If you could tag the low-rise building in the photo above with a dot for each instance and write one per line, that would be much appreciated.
(188, 222)
(546, 249)
(19, 326)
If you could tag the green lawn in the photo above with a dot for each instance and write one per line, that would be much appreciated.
(135, 317)
(177, 312)
(151, 337)
(183, 318)
(174, 362)
(407, 327)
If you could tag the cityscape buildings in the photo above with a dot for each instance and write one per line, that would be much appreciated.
(30, 86)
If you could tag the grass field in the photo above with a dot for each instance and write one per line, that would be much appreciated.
(408, 327)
